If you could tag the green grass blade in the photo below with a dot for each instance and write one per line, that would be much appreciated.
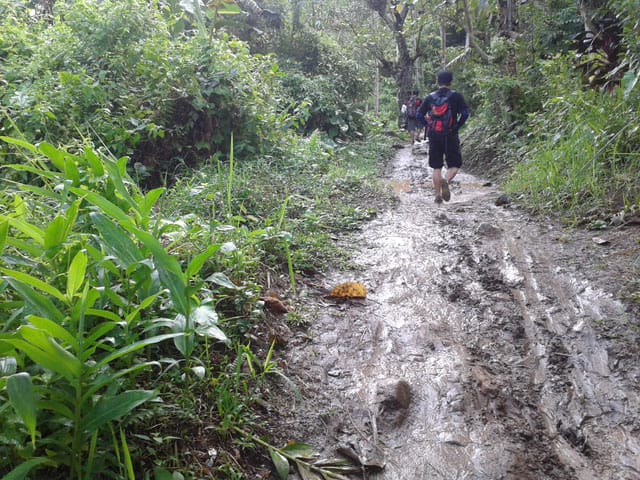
(127, 456)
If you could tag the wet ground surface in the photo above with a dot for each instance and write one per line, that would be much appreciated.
(484, 350)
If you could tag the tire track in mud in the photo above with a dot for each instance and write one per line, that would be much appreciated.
(476, 354)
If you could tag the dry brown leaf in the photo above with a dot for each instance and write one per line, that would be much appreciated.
(348, 290)
(275, 305)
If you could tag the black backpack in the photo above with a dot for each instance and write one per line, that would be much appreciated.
(440, 119)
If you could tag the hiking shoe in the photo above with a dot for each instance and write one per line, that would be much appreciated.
(446, 193)
(438, 199)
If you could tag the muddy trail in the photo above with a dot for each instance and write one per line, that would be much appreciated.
(482, 350)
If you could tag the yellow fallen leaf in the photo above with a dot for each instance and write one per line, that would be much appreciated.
(348, 290)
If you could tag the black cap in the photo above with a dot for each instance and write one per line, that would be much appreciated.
(445, 78)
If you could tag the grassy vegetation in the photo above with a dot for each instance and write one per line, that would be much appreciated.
(120, 299)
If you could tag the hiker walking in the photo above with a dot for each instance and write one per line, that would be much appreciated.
(410, 110)
(442, 113)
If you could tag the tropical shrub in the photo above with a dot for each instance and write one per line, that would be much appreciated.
(91, 285)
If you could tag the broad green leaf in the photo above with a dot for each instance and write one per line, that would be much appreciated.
(221, 279)
(19, 143)
(169, 270)
(53, 329)
(281, 463)
(55, 233)
(112, 408)
(205, 318)
(34, 282)
(4, 230)
(150, 200)
(94, 162)
(299, 450)
(133, 347)
(46, 352)
(20, 208)
(116, 171)
(105, 205)
(71, 170)
(116, 241)
(31, 231)
(29, 248)
(60, 408)
(24, 400)
(76, 274)
(39, 172)
(229, 9)
(186, 343)
(22, 470)
(162, 474)
(56, 156)
(146, 303)
(196, 264)
(103, 314)
(105, 380)
(41, 304)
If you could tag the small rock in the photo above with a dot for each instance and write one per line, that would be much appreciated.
(502, 200)
(488, 230)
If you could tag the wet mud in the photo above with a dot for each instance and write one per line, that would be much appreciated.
(480, 352)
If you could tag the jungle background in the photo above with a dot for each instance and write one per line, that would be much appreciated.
(173, 172)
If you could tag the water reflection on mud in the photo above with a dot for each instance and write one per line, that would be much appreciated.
(475, 355)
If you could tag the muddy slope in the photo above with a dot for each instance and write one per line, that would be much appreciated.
(481, 352)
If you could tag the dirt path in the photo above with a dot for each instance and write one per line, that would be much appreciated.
(481, 351)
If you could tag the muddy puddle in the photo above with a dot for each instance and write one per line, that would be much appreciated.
(479, 353)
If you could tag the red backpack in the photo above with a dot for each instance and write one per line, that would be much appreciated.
(440, 119)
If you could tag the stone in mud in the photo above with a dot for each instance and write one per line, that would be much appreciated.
(488, 230)
(502, 201)
(395, 399)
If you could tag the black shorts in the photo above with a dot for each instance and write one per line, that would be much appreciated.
(441, 148)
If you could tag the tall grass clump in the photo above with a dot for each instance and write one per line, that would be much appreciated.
(582, 155)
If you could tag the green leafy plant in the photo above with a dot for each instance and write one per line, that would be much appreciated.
(84, 299)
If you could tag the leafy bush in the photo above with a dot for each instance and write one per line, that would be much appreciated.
(117, 73)
(587, 157)
(90, 284)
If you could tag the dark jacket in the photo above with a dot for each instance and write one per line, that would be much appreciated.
(459, 107)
